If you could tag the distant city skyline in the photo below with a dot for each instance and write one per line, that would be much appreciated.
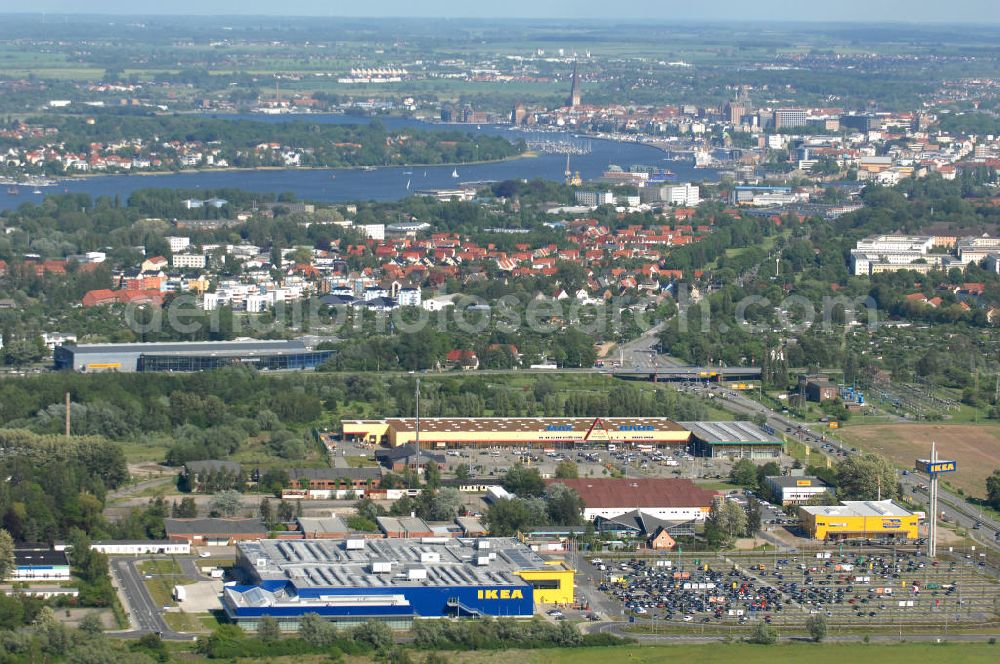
(958, 11)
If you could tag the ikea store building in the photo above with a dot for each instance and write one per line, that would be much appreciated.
(392, 580)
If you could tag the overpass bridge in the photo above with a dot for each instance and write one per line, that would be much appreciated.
(668, 373)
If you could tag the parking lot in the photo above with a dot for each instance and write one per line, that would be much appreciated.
(880, 586)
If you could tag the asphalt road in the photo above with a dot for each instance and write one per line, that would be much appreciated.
(144, 615)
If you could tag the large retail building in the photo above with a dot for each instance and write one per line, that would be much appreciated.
(730, 439)
(870, 519)
(392, 580)
(188, 356)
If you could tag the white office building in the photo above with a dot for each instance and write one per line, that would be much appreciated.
(976, 249)
(685, 195)
(53, 339)
(142, 547)
(177, 243)
(792, 489)
(884, 253)
(372, 231)
(409, 297)
(194, 261)
(595, 198)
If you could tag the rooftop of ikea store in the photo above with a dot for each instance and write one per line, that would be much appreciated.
(387, 563)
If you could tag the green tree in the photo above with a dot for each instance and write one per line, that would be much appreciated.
(187, 509)
(866, 477)
(763, 634)
(225, 503)
(11, 612)
(524, 482)
(286, 511)
(317, 632)
(744, 473)
(268, 630)
(769, 469)
(153, 646)
(567, 470)
(507, 517)
(266, 511)
(563, 505)
(54, 636)
(993, 489)
(432, 476)
(92, 624)
(375, 634)
(817, 627)
(726, 521)
(7, 564)
(444, 505)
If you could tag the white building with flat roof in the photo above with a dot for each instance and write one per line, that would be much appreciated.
(792, 489)
(192, 261)
(178, 243)
(685, 195)
(409, 297)
(142, 547)
(895, 252)
(976, 249)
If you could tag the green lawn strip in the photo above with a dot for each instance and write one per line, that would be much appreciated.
(745, 653)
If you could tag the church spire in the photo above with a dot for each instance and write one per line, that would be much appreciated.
(574, 94)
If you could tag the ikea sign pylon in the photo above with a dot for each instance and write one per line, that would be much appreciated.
(935, 467)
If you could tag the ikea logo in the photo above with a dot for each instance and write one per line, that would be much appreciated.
(501, 594)
(941, 467)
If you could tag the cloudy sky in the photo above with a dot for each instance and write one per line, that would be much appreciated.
(977, 11)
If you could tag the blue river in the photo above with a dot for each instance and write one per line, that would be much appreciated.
(384, 183)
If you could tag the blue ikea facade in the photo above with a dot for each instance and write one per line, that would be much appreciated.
(424, 602)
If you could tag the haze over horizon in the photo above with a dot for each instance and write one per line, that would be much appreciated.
(922, 11)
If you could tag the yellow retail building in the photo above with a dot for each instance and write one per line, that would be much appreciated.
(551, 586)
(859, 519)
(443, 432)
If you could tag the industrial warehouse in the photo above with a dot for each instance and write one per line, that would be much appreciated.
(712, 439)
(392, 580)
(188, 356)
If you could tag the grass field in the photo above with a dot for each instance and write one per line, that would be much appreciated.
(183, 621)
(721, 653)
(976, 448)
(165, 575)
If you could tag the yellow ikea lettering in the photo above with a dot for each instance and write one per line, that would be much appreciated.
(500, 594)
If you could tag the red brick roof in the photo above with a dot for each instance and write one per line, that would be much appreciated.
(636, 493)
